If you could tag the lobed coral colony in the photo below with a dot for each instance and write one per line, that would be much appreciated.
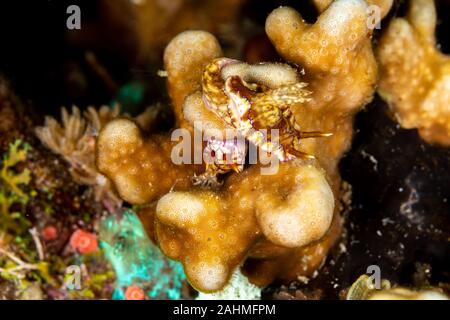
(276, 223)
(241, 197)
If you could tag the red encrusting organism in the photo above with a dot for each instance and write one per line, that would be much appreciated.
(83, 241)
(134, 293)
(49, 233)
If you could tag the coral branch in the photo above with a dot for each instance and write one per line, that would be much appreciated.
(415, 76)
(210, 232)
(339, 66)
(142, 170)
(185, 58)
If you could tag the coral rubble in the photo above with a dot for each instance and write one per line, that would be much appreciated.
(415, 75)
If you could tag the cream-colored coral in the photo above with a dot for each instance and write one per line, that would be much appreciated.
(185, 58)
(141, 168)
(341, 73)
(144, 171)
(415, 75)
(340, 70)
(280, 225)
(210, 232)
(383, 5)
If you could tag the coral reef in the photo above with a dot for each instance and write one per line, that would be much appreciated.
(13, 200)
(211, 232)
(415, 75)
(185, 59)
(142, 170)
(51, 216)
(248, 177)
(83, 242)
(248, 101)
(407, 294)
(134, 293)
(278, 222)
(74, 141)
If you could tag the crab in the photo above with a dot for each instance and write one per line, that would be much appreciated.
(261, 115)
(221, 156)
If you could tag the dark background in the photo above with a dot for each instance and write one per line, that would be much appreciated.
(36, 55)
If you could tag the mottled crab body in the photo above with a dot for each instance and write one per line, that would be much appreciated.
(260, 114)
